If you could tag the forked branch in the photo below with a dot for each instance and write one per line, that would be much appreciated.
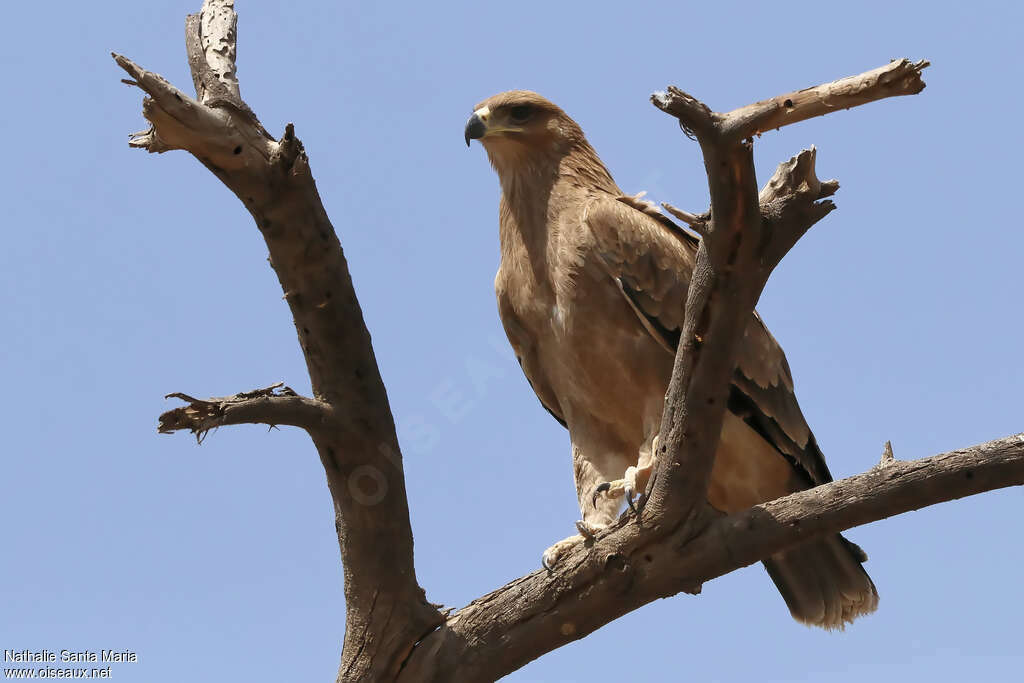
(387, 611)
(746, 237)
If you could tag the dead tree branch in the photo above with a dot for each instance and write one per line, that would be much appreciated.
(260, 406)
(387, 611)
(746, 236)
(392, 632)
(898, 77)
(697, 222)
(745, 239)
(630, 566)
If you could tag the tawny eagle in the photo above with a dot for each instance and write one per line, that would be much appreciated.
(591, 291)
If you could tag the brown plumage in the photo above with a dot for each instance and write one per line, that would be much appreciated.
(591, 291)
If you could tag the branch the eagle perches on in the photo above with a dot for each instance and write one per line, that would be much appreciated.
(392, 631)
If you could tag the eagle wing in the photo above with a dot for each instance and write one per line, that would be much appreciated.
(523, 346)
(651, 259)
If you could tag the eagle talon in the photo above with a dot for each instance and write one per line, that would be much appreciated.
(598, 490)
(546, 563)
(629, 499)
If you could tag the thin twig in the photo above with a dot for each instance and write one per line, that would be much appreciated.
(699, 223)
(259, 406)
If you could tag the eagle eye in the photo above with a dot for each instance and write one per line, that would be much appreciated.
(520, 114)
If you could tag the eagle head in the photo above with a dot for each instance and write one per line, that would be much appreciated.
(520, 125)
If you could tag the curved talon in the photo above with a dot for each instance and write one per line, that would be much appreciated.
(598, 490)
(544, 562)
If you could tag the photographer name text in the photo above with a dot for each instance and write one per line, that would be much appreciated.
(49, 656)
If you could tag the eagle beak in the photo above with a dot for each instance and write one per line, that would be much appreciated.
(476, 127)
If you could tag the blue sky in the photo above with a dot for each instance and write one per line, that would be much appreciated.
(127, 276)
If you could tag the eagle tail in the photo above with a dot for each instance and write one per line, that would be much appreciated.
(823, 582)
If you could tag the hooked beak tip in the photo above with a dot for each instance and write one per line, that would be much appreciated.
(475, 128)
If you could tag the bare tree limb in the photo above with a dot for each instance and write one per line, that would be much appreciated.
(881, 492)
(387, 611)
(630, 566)
(260, 406)
(747, 236)
(899, 77)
